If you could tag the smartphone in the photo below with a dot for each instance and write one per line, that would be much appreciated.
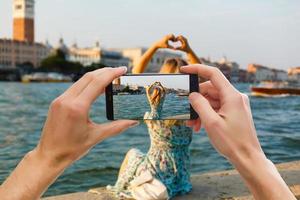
(151, 97)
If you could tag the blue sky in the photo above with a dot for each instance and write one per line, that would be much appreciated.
(168, 81)
(260, 31)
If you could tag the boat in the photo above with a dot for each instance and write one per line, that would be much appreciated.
(183, 94)
(123, 93)
(276, 88)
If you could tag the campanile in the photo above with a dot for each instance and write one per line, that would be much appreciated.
(23, 25)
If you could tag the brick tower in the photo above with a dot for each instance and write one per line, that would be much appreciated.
(23, 25)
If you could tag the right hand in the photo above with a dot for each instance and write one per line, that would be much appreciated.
(164, 42)
(225, 114)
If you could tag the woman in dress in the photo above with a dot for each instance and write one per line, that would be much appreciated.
(164, 171)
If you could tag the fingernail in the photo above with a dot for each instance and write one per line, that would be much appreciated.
(193, 96)
(124, 68)
(182, 68)
(134, 124)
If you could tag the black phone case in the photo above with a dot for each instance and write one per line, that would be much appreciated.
(194, 87)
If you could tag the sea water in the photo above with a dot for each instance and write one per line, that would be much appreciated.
(24, 107)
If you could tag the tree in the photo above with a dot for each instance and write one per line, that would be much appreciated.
(58, 63)
(93, 67)
(25, 67)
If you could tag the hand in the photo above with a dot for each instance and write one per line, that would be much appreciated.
(69, 133)
(164, 42)
(185, 47)
(226, 116)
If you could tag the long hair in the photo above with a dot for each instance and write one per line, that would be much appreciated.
(172, 65)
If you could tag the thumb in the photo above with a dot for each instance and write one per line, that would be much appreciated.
(201, 105)
(103, 131)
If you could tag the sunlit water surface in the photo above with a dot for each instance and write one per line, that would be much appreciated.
(23, 109)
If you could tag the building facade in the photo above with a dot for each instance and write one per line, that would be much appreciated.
(280, 75)
(85, 56)
(114, 58)
(294, 74)
(230, 69)
(13, 53)
(23, 20)
(90, 55)
(22, 48)
(158, 59)
(262, 73)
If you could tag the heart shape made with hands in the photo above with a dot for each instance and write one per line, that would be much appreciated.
(175, 44)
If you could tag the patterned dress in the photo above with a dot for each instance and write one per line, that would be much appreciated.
(168, 158)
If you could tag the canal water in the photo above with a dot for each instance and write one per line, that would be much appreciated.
(23, 109)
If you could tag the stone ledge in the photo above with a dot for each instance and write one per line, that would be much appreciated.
(216, 185)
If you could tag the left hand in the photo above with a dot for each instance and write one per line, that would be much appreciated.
(69, 133)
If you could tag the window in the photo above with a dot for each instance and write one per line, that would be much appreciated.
(18, 7)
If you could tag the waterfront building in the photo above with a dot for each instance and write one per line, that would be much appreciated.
(158, 59)
(22, 49)
(262, 73)
(89, 55)
(13, 53)
(259, 73)
(294, 74)
(113, 58)
(23, 20)
(243, 76)
(85, 56)
(230, 69)
(280, 75)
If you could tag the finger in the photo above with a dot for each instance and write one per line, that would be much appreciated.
(171, 37)
(215, 104)
(79, 85)
(181, 39)
(197, 126)
(203, 108)
(207, 88)
(101, 132)
(97, 85)
(213, 74)
(191, 123)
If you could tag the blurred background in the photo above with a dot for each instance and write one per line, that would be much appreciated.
(46, 45)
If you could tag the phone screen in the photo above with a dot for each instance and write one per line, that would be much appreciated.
(151, 97)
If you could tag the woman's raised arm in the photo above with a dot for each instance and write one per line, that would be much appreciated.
(163, 43)
(185, 47)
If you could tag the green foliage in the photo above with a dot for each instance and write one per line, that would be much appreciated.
(58, 63)
(93, 67)
(126, 89)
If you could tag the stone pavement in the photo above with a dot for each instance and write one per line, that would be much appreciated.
(217, 185)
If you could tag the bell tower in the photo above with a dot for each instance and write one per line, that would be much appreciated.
(23, 20)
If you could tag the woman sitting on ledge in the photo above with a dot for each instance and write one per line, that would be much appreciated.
(168, 159)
